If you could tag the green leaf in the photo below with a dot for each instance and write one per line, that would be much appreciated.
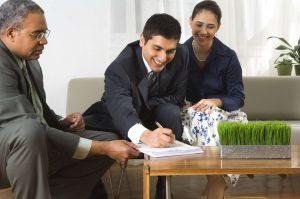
(281, 39)
(282, 47)
(292, 55)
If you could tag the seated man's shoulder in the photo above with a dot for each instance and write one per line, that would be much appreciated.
(128, 52)
(125, 59)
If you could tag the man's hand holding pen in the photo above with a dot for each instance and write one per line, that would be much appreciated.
(160, 137)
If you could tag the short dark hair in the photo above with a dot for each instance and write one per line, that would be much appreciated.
(162, 24)
(209, 5)
(13, 12)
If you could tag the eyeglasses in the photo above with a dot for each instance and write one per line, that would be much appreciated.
(39, 36)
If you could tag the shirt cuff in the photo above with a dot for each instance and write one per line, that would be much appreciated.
(83, 149)
(135, 132)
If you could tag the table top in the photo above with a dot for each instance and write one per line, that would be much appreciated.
(210, 163)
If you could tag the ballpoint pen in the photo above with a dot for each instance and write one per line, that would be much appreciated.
(159, 125)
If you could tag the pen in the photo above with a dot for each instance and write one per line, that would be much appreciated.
(159, 125)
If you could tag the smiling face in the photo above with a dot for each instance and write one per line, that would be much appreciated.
(23, 41)
(204, 26)
(158, 51)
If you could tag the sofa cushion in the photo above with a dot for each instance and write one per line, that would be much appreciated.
(83, 92)
(272, 98)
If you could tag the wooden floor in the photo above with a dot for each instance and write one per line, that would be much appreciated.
(191, 187)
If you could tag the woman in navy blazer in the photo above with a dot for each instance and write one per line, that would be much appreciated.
(214, 73)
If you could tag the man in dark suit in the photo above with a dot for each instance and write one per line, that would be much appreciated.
(43, 155)
(145, 85)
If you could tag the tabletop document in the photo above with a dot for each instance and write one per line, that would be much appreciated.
(178, 148)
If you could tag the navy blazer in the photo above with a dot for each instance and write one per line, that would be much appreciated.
(221, 76)
(125, 100)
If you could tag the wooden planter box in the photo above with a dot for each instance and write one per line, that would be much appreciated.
(256, 151)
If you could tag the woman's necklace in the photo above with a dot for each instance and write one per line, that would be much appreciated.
(196, 52)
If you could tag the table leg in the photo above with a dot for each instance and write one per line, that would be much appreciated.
(168, 187)
(146, 183)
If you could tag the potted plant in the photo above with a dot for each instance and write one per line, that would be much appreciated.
(284, 66)
(291, 51)
(255, 139)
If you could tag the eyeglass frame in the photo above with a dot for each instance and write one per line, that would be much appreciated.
(38, 36)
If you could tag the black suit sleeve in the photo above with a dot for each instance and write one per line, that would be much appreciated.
(118, 98)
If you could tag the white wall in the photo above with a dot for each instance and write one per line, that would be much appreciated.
(77, 45)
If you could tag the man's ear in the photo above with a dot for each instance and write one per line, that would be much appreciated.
(10, 34)
(142, 40)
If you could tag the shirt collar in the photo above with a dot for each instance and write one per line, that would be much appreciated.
(218, 48)
(146, 64)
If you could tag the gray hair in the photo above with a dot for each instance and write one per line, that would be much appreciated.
(13, 12)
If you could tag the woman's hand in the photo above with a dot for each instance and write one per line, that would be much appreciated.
(186, 106)
(205, 104)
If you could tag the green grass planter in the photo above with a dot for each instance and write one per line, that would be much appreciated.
(261, 139)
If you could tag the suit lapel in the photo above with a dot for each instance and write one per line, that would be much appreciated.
(142, 77)
(36, 79)
(143, 89)
(23, 84)
(47, 112)
(165, 76)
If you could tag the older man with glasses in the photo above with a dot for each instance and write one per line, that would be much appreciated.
(43, 155)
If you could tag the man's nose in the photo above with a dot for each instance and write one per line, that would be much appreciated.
(44, 41)
(162, 56)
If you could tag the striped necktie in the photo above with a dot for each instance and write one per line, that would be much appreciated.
(153, 83)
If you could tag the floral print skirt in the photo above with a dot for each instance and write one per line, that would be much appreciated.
(200, 129)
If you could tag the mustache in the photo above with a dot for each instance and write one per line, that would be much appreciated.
(40, 48)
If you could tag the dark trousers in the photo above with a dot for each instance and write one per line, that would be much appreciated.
(168, 115)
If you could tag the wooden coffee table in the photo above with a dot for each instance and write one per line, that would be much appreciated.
(210, 163)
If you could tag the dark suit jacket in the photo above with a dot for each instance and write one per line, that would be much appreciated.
(15, 102)
(125, 101)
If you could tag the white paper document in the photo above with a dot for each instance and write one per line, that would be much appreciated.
(178, 148)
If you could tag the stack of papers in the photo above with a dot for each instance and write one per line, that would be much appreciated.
(178, 148)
